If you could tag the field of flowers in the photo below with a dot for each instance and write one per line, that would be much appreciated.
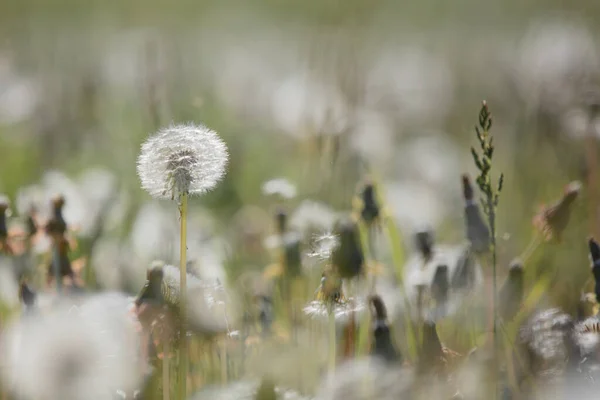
(299, 199)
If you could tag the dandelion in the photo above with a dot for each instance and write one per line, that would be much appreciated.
(477, 230)
(182, 160)
(461, 265)
(435, 356)
(595, 258)
(174, 163)
(383, 345)
(203, 315)
(85, 352)
(281, 221)
(348, 257)
(465, 271)
(544, 335)
(425, 241)
(281, 187)
(552, 220)
(369, 208)
(511, 292)
(27, 295)
(440, 287)
(313, 215)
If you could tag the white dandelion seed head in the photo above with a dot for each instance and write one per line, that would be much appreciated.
(72, 353)
(182, 159)
(342, 310)
(279, 186)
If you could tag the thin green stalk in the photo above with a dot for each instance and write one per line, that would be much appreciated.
(223, 346)
(332, 338)
(183, 342)
(492, 225)
(166, 384)
(56, 266)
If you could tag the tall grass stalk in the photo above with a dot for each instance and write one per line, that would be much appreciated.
(489, 201)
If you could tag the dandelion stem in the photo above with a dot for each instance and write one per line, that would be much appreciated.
(223, 353)
(531, 247)
(183, 360)
(165, 370)
(56, 266)
(592, 177)
(332, 338)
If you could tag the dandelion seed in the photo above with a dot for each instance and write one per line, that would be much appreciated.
(324, 245)
(182, 159)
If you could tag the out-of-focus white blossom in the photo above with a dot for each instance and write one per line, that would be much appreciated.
(556, 60)
(281, 187)
(313, 215)
(416, 85)
(74, 352)
(367, 378)
(302, 105)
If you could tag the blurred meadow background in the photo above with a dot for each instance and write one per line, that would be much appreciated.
(312, 98)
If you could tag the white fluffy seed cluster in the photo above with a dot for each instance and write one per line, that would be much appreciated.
(182, 159)
(75, 351)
